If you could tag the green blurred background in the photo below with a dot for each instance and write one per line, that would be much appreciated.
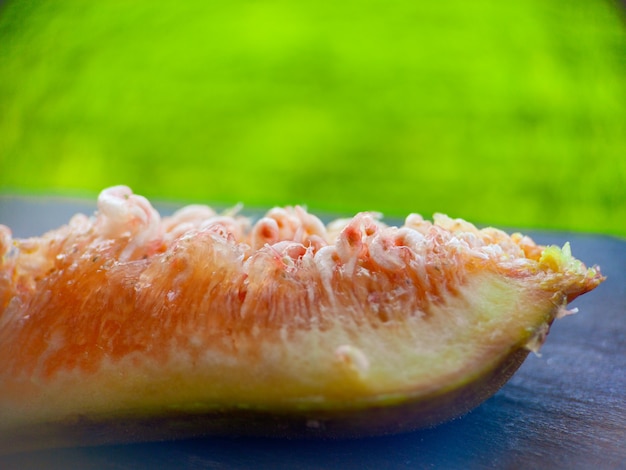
(503, 113)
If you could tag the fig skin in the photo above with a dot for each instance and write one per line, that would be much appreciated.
(405, 415)
(125, 327)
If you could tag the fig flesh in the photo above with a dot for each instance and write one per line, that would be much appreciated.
(126, 326)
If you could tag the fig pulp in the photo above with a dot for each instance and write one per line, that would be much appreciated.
(126, 326)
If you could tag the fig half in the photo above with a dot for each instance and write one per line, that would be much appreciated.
(126, 326)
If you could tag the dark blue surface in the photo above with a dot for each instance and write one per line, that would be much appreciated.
(564, 409)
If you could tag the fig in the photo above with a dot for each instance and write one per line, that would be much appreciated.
(128, 326)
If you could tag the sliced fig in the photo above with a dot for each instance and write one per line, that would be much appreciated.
(128, 327)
